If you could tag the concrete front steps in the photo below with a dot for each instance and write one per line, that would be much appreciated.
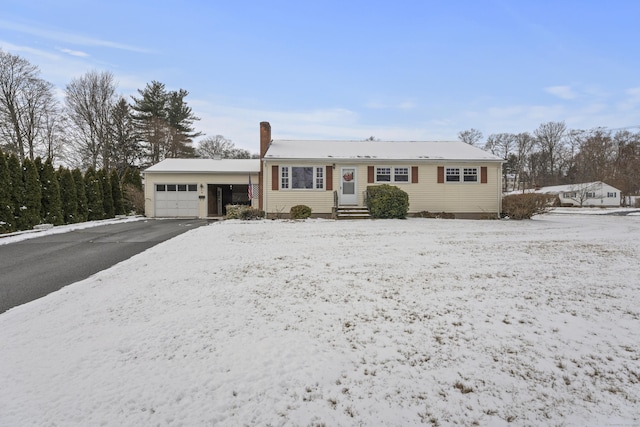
(352, 212)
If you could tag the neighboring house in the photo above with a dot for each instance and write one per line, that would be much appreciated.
(439, 176)
(586, 194)
(198, 187)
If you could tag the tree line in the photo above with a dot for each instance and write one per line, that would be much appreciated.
(554, 155)
(94, 126)
(33, 192)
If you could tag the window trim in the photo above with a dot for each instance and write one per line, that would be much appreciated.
(285, 177)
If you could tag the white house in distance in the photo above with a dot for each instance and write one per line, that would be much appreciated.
(586, 194)
(439, 176)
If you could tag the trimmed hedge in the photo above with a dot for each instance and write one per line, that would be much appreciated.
(300, 212)
(387, 201)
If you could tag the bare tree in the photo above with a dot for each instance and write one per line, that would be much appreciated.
(471, 136)
(626, 164)
(550, 138)
(90, 100)
(220, 147)
(524, 145)
(25, 102)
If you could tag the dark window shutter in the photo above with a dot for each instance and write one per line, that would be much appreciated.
(275, 178)
(483, 175)
(414, 174)
(329, 180)
(370, 174)
(440, 174)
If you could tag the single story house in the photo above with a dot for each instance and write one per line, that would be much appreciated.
(199, 187)
(439, 176)
(585, 194)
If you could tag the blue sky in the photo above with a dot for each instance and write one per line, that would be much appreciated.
(398, 70)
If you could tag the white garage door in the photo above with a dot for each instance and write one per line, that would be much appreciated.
(176, 200)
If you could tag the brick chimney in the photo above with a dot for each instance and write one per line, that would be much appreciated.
(265, 137)
(265, 141)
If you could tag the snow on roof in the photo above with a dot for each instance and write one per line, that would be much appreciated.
(554, 189)
(207, 165)
(385, 150)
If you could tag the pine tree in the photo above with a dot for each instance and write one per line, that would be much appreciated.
(116, 194)
(16, 190)
(6, 209)
(68, 196)
(93, 190)
(30, 213)
(107, 197)
(81, 196)
(51, 206)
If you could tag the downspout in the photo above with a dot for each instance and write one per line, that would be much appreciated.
(264, 189)
(499, 180)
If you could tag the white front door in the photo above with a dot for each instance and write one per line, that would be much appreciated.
(348, 186)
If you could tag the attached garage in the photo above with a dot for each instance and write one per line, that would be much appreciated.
(176, 200)
(199, 188)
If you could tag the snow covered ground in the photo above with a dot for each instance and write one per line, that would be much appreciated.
(362, 323)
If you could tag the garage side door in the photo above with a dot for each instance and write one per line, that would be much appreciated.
(176, 200)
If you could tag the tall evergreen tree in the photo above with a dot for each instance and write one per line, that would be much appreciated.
(93, 190)
(6, 209)
(150, 118)
(30, 212)
(16, 189)
(116, 194)
(107, 197)
(51, 206)
(125, 147)
(164, 122)
(81, 196)
(68, 196)
(180, 118)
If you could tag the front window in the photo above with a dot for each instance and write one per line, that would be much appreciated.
(301, 177)
(614, 194)
(397, 174)
(401, 174)
(383, 174)
(453, 175)
(591, 195)
(470, 174)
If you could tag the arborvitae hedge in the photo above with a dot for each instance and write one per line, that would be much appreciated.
(68, 196)
(16, 189)
(116, 193)
(93, 190)
(51, 207)
(81, 196)
(6, 209)
(30, 211)
(107, 198)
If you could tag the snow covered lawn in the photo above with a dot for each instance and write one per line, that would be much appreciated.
(363, 323)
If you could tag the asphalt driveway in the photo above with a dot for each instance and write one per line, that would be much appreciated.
(33, 268)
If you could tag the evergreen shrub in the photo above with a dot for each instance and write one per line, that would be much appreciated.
(387, 201)
(300, 212)
(244, 212)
